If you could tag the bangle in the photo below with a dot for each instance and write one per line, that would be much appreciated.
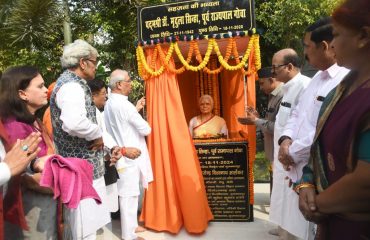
(123, 151)
(282, 138)
(303, 185)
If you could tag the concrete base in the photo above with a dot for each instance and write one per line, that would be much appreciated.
(216, 230)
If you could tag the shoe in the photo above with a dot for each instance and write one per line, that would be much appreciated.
(274, 232)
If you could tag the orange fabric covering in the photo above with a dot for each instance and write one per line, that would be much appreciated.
(46, 120)
(177, 195)
(189, 96)
(50, 89)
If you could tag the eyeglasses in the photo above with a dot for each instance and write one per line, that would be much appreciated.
(127, 81)
(95, 62)
(274, 67)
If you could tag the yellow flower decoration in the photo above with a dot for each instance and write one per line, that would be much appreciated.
(202, 64)
(144, 64)
(146, 71)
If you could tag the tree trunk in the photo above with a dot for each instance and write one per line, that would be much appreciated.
(66, 24)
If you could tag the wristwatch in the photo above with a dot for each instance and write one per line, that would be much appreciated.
(282, 138)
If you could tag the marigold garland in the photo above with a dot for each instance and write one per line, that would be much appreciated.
(154, 72)
(257, 52)
(201, 65)
(242, 62)
(146, 71)
(168, 66)
(227, 56)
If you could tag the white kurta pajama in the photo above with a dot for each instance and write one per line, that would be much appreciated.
(129, 129)
(301, 126)
(284, 209)
(89, 216)
(109, 143)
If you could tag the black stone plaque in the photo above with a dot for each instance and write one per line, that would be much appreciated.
(225, 171)
(202, 17)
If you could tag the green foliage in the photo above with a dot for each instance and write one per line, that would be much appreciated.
(31, 35)
(283, 22)
(113, 25)
(261, 168)
(137, 91)
(32, 23)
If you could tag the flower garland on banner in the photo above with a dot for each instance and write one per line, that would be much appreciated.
(244, 59)
(257, 52)
(168, 66)
(144, 64)
(227, 56)
(201, 65)
(146, 71)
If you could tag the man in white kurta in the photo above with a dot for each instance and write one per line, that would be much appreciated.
(128, 129)
(284, 209)
(301, 126)
(77, 134)
(99, 95)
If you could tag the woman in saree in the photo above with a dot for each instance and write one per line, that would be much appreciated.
(335, 188)
(22, 95)
(207, 124)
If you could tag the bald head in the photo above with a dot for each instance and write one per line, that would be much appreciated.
(285, 64)
(117, 76)
(288, 55)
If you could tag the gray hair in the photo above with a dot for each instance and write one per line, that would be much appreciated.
(117, 76)
(73, 52)
(206, 96)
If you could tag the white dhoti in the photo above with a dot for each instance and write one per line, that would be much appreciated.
(128, 191)
(112, 197)
(284, 210)
(89, 216)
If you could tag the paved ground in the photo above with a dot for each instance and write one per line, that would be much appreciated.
(216, 230)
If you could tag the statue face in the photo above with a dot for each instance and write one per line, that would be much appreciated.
(205, 105)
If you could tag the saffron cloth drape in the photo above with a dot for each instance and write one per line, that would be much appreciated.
(177, 195)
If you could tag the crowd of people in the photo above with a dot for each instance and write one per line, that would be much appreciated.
(75, 128)
(316, 136)
(320, 140)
